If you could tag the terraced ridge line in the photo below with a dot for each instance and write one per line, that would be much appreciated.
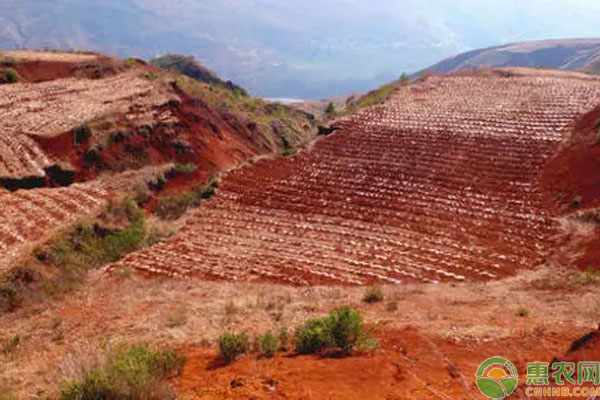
(51, 108)
(437, 184)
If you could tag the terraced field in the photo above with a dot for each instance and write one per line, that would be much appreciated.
(29, 216)
(54, 107)
(438, 184)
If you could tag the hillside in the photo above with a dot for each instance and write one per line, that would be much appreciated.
(88, 122)
(569, 54)
(405, 183)
(471, 199)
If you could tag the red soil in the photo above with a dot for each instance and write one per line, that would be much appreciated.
(572, 173)
(441, 183)
(45, 70)
(409, 365)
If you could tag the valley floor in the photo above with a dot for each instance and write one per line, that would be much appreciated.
(431, 345)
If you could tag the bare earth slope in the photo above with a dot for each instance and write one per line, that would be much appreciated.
(438, 184)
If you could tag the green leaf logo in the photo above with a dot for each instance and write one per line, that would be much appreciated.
(497, 378)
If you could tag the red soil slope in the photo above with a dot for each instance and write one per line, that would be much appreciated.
(155, 121)
(571, 176)
(439, 183)
(414, 365)
(137, 118)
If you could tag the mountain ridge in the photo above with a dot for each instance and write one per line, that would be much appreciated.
(567, 54)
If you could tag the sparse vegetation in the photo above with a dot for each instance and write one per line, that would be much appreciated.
(284, 338)
(187, 65)
(232, 345)
(119, 230)
(373, 294)
(82, 134)
(523, 312)
(174, 206)
(288, 150)
(9, 76)
(176, 318)
(130, 63)
(132, 373)
(9, 62)
(4, 395)
(392, 306)
(185, 168)
(11, 344)
(405, 79)
(94, 243)
(267, 345)
(330, 110)
(10, 297)
(590, 277)
(368, 345)
(272, 121)
(377, 96)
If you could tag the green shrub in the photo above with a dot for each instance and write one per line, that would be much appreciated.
(590, 277)
(82, 134)
(313, 336)
(90, 245)
(232, 345)
(209, 190)
(185, 168)
(288, 152)
(373, 294)
(130, 63)
(522, 312)
(346, 327)
(405, 79)
(134, 373)
(267, 344)
(10, 76)
(330, 110)
(173, 207)
(342, 328)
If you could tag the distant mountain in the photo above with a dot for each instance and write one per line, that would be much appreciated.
(570, 54)
(295, 48)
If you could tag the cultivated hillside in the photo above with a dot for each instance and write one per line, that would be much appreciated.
(570, 54)
(439, 183)
(78, 127)
(471, 198)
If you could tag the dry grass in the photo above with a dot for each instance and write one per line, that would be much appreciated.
(38, 55)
